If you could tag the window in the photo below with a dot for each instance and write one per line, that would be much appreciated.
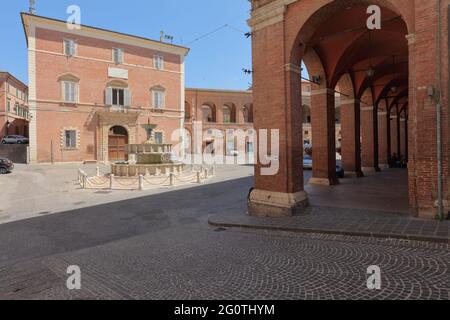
(70, 139)
(159, 138)
(158, 62)
(118, 97)
(69, 48)
(158, 99)
(226, 115)
(8, 105)
(70, 91)
(118, 55)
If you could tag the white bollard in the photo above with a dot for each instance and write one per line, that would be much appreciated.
(84, 180)
(171, 179)
(206, 173)
(111, 181)
(213, 171)
(141, 182)
(98, 172)
(199, 179)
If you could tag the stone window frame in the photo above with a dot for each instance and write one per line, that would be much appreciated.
(63, 138)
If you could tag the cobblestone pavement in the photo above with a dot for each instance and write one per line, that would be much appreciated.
(161, 247)
(359, 222)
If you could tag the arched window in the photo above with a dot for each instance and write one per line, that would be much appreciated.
(208, 113)
(226, 114)
(245, 113)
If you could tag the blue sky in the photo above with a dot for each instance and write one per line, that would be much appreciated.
(215, 61)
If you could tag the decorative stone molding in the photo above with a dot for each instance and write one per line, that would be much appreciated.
(290, 67)
(411, 39)
(322, 91)
(63, 138)
(349, 101)
(382, 113)
(371, 108)
(269, 14)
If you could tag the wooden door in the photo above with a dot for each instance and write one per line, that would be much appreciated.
(116, 144)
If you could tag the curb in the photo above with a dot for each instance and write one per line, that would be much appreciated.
(432, 239)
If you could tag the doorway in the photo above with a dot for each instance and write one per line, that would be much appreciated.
(117, 141)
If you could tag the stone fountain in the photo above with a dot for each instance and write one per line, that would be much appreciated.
(148, 159)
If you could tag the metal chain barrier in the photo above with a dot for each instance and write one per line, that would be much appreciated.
(138, 183)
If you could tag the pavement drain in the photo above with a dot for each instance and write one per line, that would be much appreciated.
(79, 203)
(44, 213)
(103, 192)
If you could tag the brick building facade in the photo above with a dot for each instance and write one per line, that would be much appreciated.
(14, 114)
(92, 91)
(218, 114)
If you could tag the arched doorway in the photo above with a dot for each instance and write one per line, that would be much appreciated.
(117, 141)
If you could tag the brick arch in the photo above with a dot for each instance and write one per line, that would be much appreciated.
(319, 11)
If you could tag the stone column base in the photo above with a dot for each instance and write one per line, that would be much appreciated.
(324, 181)
(384, 166)
(354, 174)
(369, 169)
(275, 204)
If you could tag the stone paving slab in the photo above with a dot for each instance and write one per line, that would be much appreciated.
(340, 221)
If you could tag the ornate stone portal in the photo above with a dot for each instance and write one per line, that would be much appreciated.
(148, 159)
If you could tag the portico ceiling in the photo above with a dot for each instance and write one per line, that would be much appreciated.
(345, 45)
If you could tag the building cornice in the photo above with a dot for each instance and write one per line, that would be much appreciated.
(269, 14)
(103, 34)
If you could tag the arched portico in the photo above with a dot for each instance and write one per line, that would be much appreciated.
(375, 69)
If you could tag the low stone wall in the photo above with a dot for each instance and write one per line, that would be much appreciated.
(17, 153)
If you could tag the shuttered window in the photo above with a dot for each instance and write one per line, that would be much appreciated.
(69, 47)
(118, 97)
(118, 55)
(158, 62)
(158, 99)
(70, 91)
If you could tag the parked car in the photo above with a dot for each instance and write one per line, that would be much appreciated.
(308, 165)
(307, 162)
(340, 172)
(6, 166)
(234, 153)
(15, 140)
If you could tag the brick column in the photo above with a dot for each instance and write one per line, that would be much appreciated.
(394, 135)
(402, 137)
(323, 124)
(278, 103)
(351, 142)
(369, 123)
(383, 140)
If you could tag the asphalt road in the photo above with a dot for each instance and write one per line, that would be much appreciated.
(160, 247)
